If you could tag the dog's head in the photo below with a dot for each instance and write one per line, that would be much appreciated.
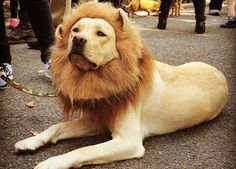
(91, 43)
(97, 53)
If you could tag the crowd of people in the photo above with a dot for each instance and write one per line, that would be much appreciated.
(29, 30)
(45, 35)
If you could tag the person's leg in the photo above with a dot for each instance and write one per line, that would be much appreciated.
(231, 15)
(163, 15)
(231, 8)
(199, 6)
(215, 7)
(58, 11)
(14, 9)
(41, 21)
(5, 56)
(216, 4)
(219, 4)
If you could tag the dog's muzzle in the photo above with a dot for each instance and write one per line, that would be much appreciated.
(79, 41)
(77, 56)
(78, 44)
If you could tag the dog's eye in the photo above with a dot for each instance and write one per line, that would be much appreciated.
(100, 33)
(75, 30)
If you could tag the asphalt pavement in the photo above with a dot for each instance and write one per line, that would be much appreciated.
(210, 145)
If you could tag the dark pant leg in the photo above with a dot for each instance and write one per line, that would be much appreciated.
(14, 8)
(22, 4)
(164, 12)
(5, 56)
(199, 6)
(41, 20)
(165, 8)
(216, 4)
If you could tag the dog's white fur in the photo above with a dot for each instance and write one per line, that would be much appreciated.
(179, 97)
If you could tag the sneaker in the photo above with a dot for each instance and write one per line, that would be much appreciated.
(7, 69)
(162, 22)
(214, 12)
(47, 69)
(231, 23)
(13, 23)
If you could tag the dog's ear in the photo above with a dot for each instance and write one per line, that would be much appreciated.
(122, 16)
(59, 31)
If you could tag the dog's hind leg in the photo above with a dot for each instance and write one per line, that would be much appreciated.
(64, 130)
(176, 10)
(179, 6)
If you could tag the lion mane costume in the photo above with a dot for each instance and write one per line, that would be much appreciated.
(107, 90)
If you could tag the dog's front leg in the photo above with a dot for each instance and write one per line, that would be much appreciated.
(69, 129)
(126, 144)
(114, 150)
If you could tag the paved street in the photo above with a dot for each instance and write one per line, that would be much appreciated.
(210, 145)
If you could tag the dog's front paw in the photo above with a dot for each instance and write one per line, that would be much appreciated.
(30, 143)
(58, 162)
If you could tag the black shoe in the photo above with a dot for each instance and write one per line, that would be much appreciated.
(200, 27)
(162, 22)
(231, 23)
(33, 44)
(161, 25)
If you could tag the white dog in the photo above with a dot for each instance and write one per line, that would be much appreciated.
(155, 98)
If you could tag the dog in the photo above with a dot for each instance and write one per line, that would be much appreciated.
(141, 5)
(175, 7)
(102, 69)
(132, 7)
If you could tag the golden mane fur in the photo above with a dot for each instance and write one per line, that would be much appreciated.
(102, 94)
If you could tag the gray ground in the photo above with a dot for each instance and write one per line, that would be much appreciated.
(210, 145)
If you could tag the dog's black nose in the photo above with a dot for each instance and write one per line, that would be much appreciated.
(79, 40)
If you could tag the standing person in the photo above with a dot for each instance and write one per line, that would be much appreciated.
(231, 10)
(215, 7)
(41, 20)
(5, 55)
(199, 6)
